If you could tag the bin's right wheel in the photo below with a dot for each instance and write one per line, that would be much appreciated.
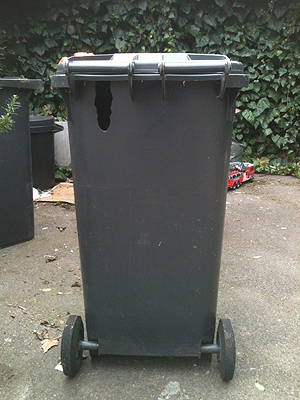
(71, 351)
(226, 357)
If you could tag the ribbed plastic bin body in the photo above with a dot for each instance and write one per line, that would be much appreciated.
(42, 131)
(16, 204)
(150, 154)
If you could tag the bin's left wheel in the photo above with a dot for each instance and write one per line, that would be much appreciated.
(71, 351)
(226, 357)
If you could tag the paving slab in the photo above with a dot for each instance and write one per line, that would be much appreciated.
(259, 291)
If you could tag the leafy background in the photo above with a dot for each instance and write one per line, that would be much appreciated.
(263, 35)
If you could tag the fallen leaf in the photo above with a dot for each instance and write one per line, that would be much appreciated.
(260, 387)
(46, 289)
(70, 269)
(42, 335)
(61, 322)
(47, 344)
(49, 258)
(76, 284)
(207, 372)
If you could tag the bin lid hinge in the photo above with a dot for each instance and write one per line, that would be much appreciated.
(227, 69)
(130, 78)
(162, 71)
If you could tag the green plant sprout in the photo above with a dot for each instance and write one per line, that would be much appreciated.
(6, 119)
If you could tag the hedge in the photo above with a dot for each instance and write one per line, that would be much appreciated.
(263, 35)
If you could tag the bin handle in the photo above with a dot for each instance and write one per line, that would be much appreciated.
(215, 68)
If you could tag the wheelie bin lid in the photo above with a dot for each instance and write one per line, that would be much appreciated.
(21, 83)
(149, 66)
(43, 124)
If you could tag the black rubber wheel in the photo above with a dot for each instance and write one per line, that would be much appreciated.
(226, 357)
(234, 186)
(71, 352)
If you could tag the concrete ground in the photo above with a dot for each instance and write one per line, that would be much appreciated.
(259, 292)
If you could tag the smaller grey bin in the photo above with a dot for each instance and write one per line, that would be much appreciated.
(42, 131)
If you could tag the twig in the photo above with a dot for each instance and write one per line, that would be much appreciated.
(16, 306)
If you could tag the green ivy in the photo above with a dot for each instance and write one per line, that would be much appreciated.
(62, 173)
(263, 35)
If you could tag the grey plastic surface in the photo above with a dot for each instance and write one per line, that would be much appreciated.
(150, 193)
(16, 204)
(42, 131)
(21, 83)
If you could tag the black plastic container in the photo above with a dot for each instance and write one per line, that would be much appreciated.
(16, 204)
(150, 142)
(42, 131)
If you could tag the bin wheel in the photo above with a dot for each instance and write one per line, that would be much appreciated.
(226, 357)
(234, 186)
(71, 352)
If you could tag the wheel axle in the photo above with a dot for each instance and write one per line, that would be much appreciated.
(91, 346)
(210, 349)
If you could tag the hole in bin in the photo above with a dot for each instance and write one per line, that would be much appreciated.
(102, 103)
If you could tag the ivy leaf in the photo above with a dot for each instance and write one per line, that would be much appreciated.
(50, 43)
(274, 95)
(39, 50)
(220, 3)
(92, 26)
(80, 20)
(204, 41)
(279, 10)
(181, 21)
(129, 5)
(261, 106)
(248, 115)
(84, 4)
(142, 5)
(268, 132)
(193, 29)
(210, 21)
(282, 71)
(38, 29)
(297, 172)
(186, 8)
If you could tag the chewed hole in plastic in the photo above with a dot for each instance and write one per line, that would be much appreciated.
(103, 101)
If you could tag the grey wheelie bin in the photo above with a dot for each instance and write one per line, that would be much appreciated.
(42, 131)
(16, 203)
(150, 145)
